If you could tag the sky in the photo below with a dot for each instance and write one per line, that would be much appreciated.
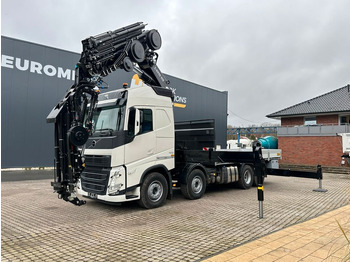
(268, 54)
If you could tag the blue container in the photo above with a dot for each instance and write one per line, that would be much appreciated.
(269, 142)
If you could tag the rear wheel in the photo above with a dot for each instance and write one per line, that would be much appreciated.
(196, 185)
(246, 177)
(154, 191)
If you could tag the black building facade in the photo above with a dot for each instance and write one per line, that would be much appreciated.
(35, 77)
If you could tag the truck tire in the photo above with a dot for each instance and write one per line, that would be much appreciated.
(154, 191)
(246, 177)
(196, 185)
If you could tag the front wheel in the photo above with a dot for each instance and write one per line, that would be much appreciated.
(196, 185)
(246, 177)
(154, 191)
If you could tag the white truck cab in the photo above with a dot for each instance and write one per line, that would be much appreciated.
(132, 137)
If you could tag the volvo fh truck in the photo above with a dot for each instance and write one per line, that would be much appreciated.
(124, 145)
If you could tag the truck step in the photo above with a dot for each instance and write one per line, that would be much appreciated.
(131, 196)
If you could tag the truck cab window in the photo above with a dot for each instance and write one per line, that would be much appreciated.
(131, 122)
(107, 120)
(146, 121)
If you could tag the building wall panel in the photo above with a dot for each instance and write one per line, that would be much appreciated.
(311, 150)
(327, 120)
(292, 121)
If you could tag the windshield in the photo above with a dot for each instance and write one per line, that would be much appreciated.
(107, 120)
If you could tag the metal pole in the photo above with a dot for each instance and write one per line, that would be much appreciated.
(320, 177)
(261, 215)
(320, 189)
(261, 199)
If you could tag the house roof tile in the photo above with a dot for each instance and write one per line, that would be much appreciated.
(334, 101)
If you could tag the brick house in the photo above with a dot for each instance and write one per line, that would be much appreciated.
(309, 132)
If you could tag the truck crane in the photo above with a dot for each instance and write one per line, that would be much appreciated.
(124, 145)
(129, 48)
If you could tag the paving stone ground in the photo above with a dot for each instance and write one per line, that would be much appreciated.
(324, 238)
(36, 226)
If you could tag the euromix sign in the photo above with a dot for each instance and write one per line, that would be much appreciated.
(34, 67)
(22, 64)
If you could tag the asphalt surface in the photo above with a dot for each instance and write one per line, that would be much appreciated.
(36, 226)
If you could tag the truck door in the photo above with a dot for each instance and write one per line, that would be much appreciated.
(140, 153)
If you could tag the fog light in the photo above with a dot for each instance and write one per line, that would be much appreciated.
(114, 188)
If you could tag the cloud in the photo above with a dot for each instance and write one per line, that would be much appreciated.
(268, 54)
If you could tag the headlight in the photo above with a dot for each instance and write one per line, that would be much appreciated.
(114, 184)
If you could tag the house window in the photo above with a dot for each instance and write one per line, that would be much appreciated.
(310, 121)
(344, 120)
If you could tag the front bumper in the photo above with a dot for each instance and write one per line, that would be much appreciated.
(107, 198)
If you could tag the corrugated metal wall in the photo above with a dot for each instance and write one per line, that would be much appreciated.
(35, 77)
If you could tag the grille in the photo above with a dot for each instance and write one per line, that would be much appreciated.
(95, 180)
(100, 161)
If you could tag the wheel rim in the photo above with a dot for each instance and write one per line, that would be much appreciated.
(155, 191)
(197, 184)
(247, 177)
